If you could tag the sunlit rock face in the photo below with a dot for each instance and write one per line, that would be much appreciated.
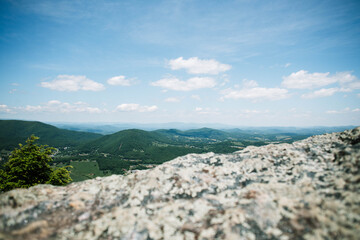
(306, 190)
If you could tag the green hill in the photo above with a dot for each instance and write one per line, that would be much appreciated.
(14, 132)
(123, 141)
(165, 144)
(134, 144)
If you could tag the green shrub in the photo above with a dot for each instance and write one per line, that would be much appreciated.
(29, 166)
(60, 176)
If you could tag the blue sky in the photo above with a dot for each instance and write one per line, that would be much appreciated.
(243, 62)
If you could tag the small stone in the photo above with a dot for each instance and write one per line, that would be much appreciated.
(84, 216)
(77, 205)
(39, 226)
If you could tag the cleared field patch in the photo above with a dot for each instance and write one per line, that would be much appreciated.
(83, 170)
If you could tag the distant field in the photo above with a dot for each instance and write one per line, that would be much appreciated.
(84, 170)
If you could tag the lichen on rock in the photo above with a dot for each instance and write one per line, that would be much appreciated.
(306, 190)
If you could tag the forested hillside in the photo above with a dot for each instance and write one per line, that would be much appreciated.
(138, 149)
(14, 132)
(94, 154)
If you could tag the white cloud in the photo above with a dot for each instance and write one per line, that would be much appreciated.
(249, 83)
(194, 83)
(33, 108)
(332, 112)
(287, 65)
(353, 85)
(54, 102)
(324, 92)
(196, 97)
(304, 80)
(345, 110)
(73, 83)
(134, 107)
(206, 111)
(119, 81)
(344, 77)
(4, 108)
(60, 107)
(252, 111)
(250, 90)
(345, 90)
(172, 99)
(195, 65)
(256, 93)
(92, 110)
(128, 107)
(148, 108)
(358, 95)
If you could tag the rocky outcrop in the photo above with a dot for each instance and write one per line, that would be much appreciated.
(306, 190)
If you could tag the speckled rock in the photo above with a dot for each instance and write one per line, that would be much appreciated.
(306, 190)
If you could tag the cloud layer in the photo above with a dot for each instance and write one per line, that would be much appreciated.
(55, 106)
(324, 92)
(195, 65)
(172, 100)
(194, 83)
(345, 110)
(251, 91)
(305, 80)
(4, 108)
(119, 81)
(256, 93)
(72, 83)
(62, 107)
(134, 107)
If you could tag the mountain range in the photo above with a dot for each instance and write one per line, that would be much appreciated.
(138, 149)
(109, 128)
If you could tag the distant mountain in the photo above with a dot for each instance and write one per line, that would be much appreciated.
(289, 130)
(213, 135)
(108, 128)
(13, 132)
(93, 128)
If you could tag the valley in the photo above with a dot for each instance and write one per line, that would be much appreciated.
(92, 155)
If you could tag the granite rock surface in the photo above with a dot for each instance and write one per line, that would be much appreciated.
(306, 190)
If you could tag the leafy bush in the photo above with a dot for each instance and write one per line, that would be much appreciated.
(29, 166)
(60, 176)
